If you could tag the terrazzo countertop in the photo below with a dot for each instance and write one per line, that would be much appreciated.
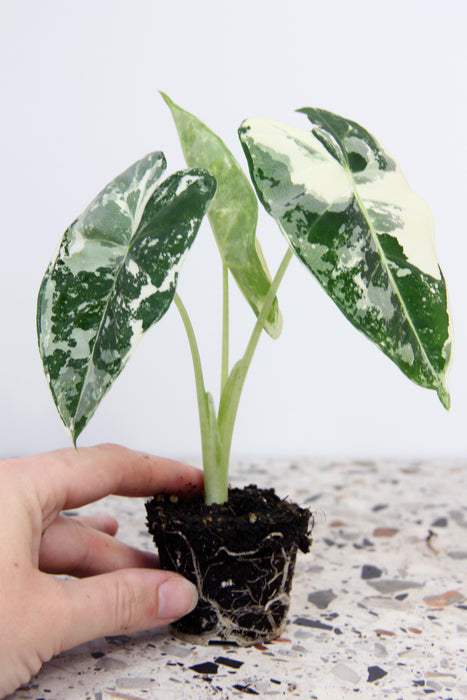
(379, 606)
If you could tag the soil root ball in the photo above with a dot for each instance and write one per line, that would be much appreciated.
(240, 555)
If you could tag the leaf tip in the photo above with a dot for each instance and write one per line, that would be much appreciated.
(243, 130)
(174, 108)
(445, 397)
(75, 431)
(273, 325)
(165, 97)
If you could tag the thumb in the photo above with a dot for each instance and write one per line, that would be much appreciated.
(122, 602)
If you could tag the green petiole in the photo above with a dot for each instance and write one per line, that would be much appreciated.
(217, 431)
(225, 326)
(230, 397)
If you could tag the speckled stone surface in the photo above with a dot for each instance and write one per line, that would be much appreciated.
(379, 606)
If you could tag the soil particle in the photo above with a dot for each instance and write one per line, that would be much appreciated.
(306, 622)
(444, 599)
(385, 532)
(322, 598)
(231, 663)
(208, 667)
(375, 673)
(388, 586)
(369, 571)
(440, 522)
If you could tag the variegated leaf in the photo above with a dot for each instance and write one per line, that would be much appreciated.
(349, 214)
(233, 213)
(114, 276)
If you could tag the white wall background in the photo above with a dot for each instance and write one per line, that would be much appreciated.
(80, 103)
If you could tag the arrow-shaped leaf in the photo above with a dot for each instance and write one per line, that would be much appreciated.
(233, 213)
(114, 276)
(350, 216)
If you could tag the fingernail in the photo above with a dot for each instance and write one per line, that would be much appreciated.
(177, 597)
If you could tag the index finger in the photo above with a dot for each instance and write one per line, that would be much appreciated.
(69, 478)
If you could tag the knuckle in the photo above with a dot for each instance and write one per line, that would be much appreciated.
(17, 671)
(128, 605)
(110, 447)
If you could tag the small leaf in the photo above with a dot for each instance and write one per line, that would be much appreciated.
(114, 276)
(231, 386)
(228, 408)
(233, 212)
(350, 216)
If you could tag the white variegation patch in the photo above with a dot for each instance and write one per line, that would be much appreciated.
(146, 291)
(350, 255)
(308, 163)
(83, 339)
(381, 299)
(137, 332)
(132, 267)
(316, 253)
(90, 254)
(77, 244)
(184, 184)
(416, 230)
(332, 187)
(406, 353)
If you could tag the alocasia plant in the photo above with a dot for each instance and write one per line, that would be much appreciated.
(345, 210)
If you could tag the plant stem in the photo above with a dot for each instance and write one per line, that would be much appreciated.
(231, 396)
(200, 389)
(216, 433)
(215, 488)
(225, 326)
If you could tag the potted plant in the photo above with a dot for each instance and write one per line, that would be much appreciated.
(348, 214)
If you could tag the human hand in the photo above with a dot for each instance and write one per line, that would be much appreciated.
(119, 590)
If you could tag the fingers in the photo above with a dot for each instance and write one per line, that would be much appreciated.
(121, 603)
(100, 521)
(70, 546)
(68, 479)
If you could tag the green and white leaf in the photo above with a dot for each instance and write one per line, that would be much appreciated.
(115, 275)
(349, 214)
(233, 213)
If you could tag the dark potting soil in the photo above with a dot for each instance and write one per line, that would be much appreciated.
(241, 556)
(250, 515)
